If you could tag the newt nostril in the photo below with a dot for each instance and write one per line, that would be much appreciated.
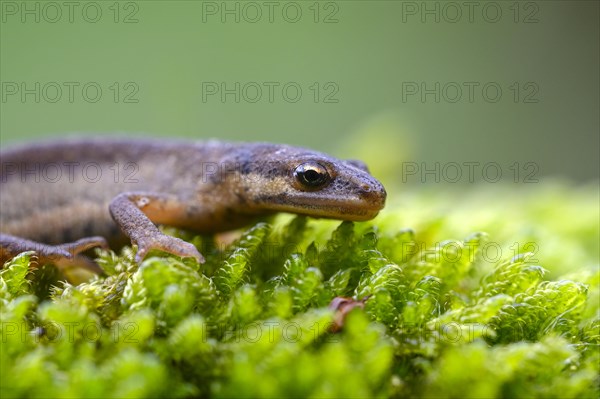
(375, 195)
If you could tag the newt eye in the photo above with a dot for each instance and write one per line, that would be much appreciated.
(312, 175)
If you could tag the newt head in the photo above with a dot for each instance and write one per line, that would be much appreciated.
(296, 180)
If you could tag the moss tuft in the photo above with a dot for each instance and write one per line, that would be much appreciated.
(509, 312)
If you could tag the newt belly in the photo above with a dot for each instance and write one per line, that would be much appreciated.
(63, 197)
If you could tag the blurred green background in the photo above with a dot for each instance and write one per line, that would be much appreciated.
(361, 67)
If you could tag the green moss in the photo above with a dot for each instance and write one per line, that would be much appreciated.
(511, 310)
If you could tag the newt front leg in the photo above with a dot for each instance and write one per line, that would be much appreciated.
(133, 213)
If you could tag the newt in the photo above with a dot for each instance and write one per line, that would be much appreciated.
(63, 197)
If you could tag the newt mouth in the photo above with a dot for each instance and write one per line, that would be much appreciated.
(363, 207)
(339, 213)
